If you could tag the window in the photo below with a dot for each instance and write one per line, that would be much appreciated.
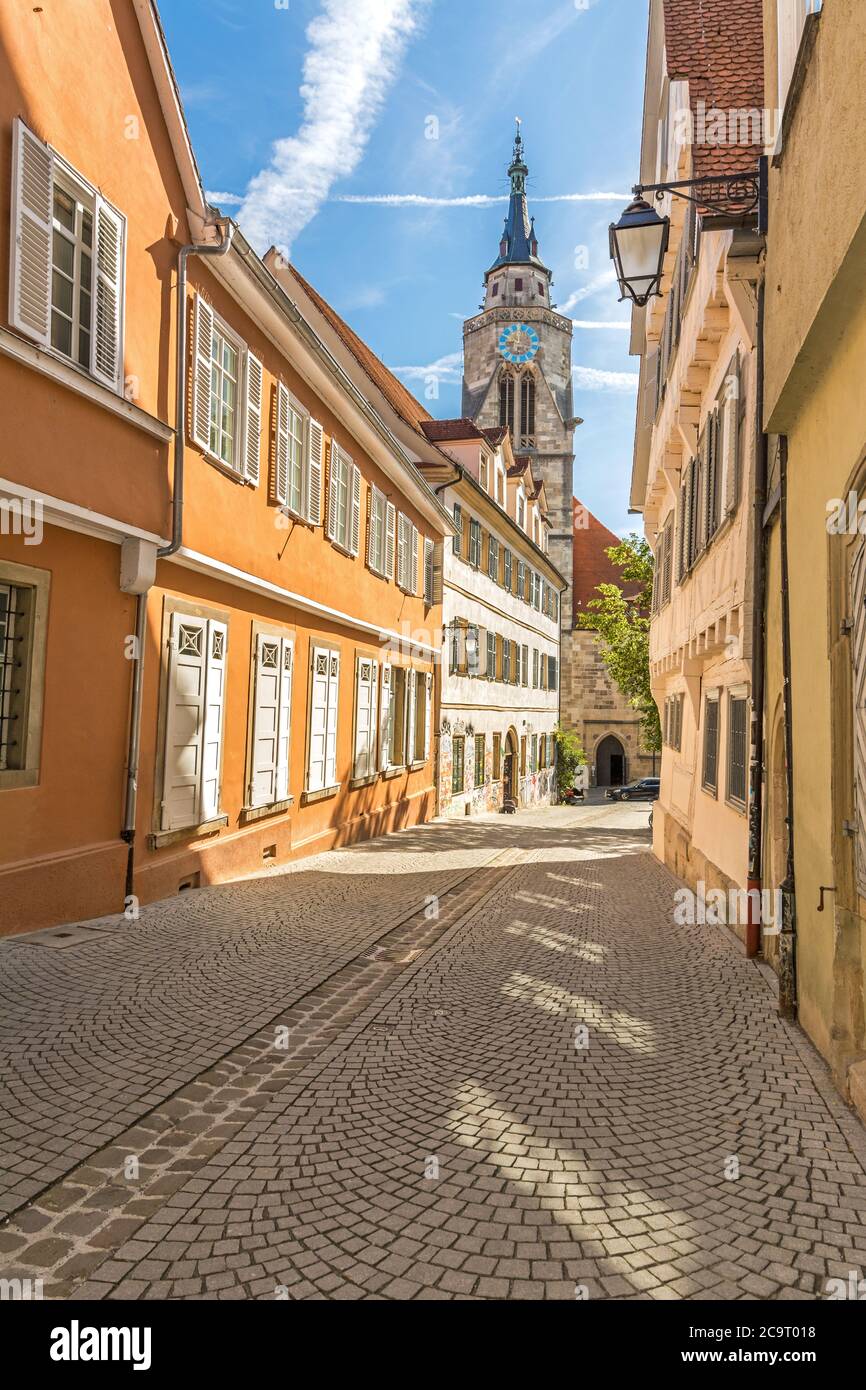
(521, 509)
(194, 712)
(366, 724)
(524, 666)
(23, 621)
(551, 673)
(344, 501)
(523, 756)
(737, 748)
(408, 538)
(454, 649)
(66, 261)
(457, 541)
(497, 757)
(493, 557)
(324, 705)
(495, 288)
(533, 754)
(506, 660)
(271, 719)
(397, 722)
(457, 770)
(521, 579)
(710, 780)
(518, 283)
(527, 410)
(542, 751)
(491, 656)
(664, 565)
(506, 400)
(226, 419)
(381, 524)
(507, 570)
(480, 754)
(475, 544)
(540, 286)
(673, 721)
(535, 668)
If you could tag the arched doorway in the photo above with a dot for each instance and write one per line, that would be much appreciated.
(510, 767)
(610, 765)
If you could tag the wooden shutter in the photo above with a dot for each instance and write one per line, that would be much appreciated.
(730, 436)
(428, 714)
(390, 526)
(429, 549)
(858, 661)
(266, 718)
(184, 721)
(281, 447)
(201, 386)
(284, 719)
(315, 451)
(355, 505)
(372, 525)
(31, 235)
(319, 680)
(409, 739)
(384, 716)
(334, 468)
(366, 686)
(402, 539)
(213, 719)
(107, 361)
(333, 711)
(413, 578)
(253, 418)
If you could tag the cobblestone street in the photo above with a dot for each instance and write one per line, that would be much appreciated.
(364, 1077)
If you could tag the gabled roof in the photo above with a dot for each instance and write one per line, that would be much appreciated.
(438, 431)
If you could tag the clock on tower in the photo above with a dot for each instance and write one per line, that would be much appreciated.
(518, 342)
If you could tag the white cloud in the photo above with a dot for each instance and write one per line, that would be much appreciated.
(356, 47)
(222, 200)
(448, 369)
(600, 282)
(592, 379)
(467, 200)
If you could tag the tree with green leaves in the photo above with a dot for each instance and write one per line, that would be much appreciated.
(622, 621)
(569, 755)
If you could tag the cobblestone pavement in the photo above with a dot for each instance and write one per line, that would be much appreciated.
(326, 1085)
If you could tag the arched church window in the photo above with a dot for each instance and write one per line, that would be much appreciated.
(527, 410)
(506, 400)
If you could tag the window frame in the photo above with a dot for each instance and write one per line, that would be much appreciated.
(736, 697)
(31, 699)
(710, 783)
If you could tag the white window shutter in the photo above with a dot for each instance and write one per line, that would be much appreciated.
(366, 682)
(265, 721)
(402, 541)
(31, 234)
(184, 722)
(253, 434)
(217, 634)
(281, 447)
(482, 652)
(355, 536)
(409, 741)
(333, 707)
(319, 677)
(730, 439)
(107, 361)
(201, 389)
(384, 716)
(412, 586)
(372, 505)
(390, 527)
(284, 717)
(333, 472)
(315, 452)
(429, 548)
(428, 714)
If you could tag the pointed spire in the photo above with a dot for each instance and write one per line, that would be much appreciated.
(519, 244)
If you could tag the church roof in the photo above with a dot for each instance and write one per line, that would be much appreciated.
(519, 244)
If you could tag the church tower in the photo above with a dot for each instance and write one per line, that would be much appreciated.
(517, 371)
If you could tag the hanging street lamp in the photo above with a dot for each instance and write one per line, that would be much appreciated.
(638, 244)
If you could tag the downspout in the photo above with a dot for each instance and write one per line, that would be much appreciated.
(134, 743)
(437, 685)
(759, 581)
(788, 936)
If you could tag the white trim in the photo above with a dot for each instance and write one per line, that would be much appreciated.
(51, 364)
(218, 569)
(58, 512)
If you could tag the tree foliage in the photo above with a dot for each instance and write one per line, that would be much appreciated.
(569, 755)
(622, 623)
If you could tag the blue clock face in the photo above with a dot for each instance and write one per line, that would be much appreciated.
(518, 342)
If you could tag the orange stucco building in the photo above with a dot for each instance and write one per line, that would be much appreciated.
(218, 618)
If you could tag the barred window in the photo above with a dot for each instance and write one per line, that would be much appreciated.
(711, 744)
(457, 769)
(480, 742)
(737, 748)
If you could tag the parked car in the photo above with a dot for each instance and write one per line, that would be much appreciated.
(647, 789)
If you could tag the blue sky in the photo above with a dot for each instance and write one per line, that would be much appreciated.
(312, 120)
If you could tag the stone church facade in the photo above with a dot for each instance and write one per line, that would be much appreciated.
(517, 373)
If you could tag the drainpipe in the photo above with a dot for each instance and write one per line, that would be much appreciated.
(134, 744)
(788, 936)
(756, 768)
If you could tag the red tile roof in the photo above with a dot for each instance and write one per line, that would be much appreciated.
(718, 46)
(439, 430)
(396, 394)
(496, 435)
(591, 565)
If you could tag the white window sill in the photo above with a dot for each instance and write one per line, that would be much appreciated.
(394, 771)
(65, 373)
(226, 468)
(321, 795)
(160, 838)
(253, 813)
(367, 781)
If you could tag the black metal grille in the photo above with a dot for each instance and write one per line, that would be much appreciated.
(737, 750)
(11, 637)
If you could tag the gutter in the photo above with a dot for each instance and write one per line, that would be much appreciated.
(759, 584)
(127, 833)
(788, 936)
